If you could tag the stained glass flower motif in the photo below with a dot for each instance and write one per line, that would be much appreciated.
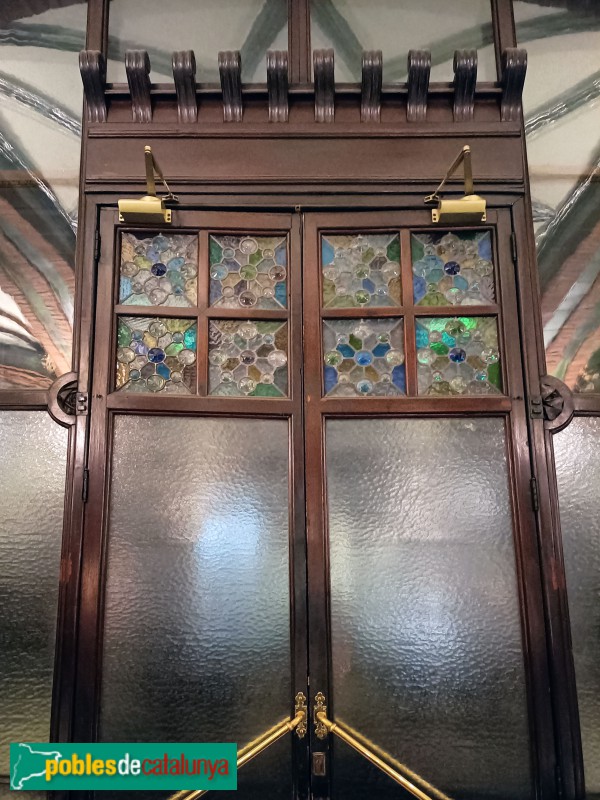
(159, 270)
(248, 271)
(363, 357)
(361, 270)
(458, 356)
(248, 358)
(156, 354)
(452, 268)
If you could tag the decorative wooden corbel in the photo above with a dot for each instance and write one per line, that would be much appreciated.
(184, 75)
(230, 70)
(370, 93)
(557, 404)
(324, 71)
(137, 66)
(514, 69)
(465, 81)
(278, 85)
(419, 69)
(92, 66)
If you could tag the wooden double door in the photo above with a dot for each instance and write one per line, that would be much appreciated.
(309, 473)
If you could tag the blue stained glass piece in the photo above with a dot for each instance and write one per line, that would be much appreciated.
(156, 355)
(137, 335)
(399, 378)
(457, 355)
(215, 292)
(419, 288)
(163, 371)
(281, 293)
(485, 247)
(189, 338)
(281, 255)
(363, 358)
(451, 268)
(461, 283)
(139, 348)
(330, 378)
(152, 253)
(175, 278)
(345, 350)
(368, 286)
(161, 243)
(433, 262)
(159, 269)
(435, 275)
(176, 263)
(125, 288)
(447, 339)
(327, 252)
(422, 337)
(380, 350)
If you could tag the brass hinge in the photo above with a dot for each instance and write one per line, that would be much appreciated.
(81, 404)
(536, 407)
(535, 496)
(85, 485)
(513, 247)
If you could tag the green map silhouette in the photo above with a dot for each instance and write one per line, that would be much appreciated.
(30, 763)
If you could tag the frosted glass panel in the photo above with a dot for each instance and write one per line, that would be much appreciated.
(426, 638)
(351, 26)
(251, 26)
(32, 477)
(197, 599)
(577, 452)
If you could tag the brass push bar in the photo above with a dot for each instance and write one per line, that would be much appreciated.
(251, 750)
(394, 774)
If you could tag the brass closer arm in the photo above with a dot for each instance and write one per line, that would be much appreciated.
(394, 774)
(250, 751)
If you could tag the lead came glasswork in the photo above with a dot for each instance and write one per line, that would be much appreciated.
(156, 355)
(361, 270)
(458, 355)
(452, 268)
(248, 358)
(159, 270)
(363, 357)
(248, 271)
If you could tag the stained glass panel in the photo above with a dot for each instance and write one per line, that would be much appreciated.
(363, 357)
(248, 358)
(159, 270)
(248, 271)
(156, 355)
(362, 270)
(452, 268)
(458, 355)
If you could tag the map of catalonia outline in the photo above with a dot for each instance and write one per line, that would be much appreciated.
(27, 753)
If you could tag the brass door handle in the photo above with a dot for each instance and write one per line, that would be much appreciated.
(296, 723)
(399, 773)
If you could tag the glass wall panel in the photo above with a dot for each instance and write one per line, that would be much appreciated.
(351, 26)
(562, 123)
(578, 470)
(251, 26)
(425, 625)
(32, 477)
(197, 638)
(40, 129)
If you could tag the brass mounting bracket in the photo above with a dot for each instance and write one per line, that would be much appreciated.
(320, 707)
(300, 705)
(150, 207)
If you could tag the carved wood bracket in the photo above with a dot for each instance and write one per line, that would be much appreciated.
(514, 69)
(184, 75)
(278, 85)
(230, 70)
(137, 66)
(372, 81)
(465, 81)
(324, 71)
(419, 69)
(92, 66)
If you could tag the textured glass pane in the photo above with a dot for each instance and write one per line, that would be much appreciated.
(577, 452)
(426, 640)
(248, 358)
(562, 120)
(458, 355)
(251, 26)
(363, 357)
(156, 355)
(40, 130)
(159, 270)
(32, 477)
(248, 271)
(362, 270)
(453, 268)
(196, 640)
(351, 26)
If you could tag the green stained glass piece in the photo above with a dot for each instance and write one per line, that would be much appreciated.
(494, 375)
(256, 258)
(123, 335)
(393, 250)
(439, 348)
(266, 390)
(216, 251)
(355, 342)
(173, 348)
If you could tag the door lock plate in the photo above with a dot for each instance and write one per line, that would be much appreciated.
(320, 707)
